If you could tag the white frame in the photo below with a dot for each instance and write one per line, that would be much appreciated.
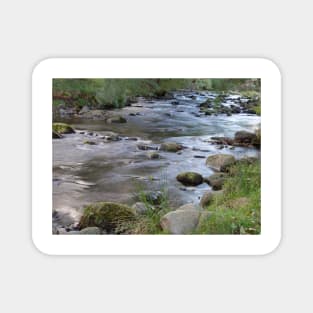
(51, 244)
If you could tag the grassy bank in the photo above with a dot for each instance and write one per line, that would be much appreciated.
(115, 93)
(237, 209)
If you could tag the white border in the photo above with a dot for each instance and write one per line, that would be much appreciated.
(156, 244)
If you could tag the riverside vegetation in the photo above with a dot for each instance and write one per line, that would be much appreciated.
(156, 156)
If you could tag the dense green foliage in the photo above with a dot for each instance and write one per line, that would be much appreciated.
(237, 209)
(103, 93)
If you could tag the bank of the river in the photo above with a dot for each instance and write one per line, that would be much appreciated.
(117, 155)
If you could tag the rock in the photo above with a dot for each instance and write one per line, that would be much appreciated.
(175, 102)
(222, 140)
(189, 206)
(180, 221)
(140, 208)
(244, 137)
(131, 138)
(199, 156)
(90, 231)
(206, 199)
(56, 135)
(88, 142)
(153, 155)
(220, 162)
(62, 128)
(216, 181)
(116, 119)
(170, 147)
(106, 215)
(190, 178)
(85, 109)
(111, 136)
(93, 114)
(141, 146)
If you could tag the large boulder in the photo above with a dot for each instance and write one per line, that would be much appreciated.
(190, 178)
(62, 128)
(106, 215)
(180, 221)
(245, 138)
(220, 162)
(170, 147)
(216, 181)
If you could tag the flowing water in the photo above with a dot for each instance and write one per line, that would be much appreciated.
(115, 170)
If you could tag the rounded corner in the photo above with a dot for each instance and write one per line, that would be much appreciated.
(273, 247)
(273, 65)
(38, 247)
(41, 64)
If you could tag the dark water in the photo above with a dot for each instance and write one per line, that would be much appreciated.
(113, 171)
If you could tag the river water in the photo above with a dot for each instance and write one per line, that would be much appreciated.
(115, 170)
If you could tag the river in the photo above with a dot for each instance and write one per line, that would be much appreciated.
(115, 170)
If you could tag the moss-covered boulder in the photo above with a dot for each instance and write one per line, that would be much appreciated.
(170, 147)
(56, 135)
(106, 215)
(206, 199)
(216, 181)
(62, 128)
(220, 162)
(116, 119)
(190, 178)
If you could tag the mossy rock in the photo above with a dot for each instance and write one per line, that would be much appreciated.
(116, 119)
(56, 135)
(106, 215)
(170, 147)
(62, 128)
(88, 142)
(190, 178)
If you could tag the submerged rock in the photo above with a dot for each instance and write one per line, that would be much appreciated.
(180, 221)
(116, 119)
(106, 215)
(220, 162)
(62, 128)
(154, 155)
(171, 147)
(190, 178)
(142, 146)
(88, 142)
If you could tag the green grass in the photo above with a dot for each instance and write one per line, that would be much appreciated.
(149, 222)
(237, 209)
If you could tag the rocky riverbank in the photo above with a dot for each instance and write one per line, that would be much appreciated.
(109, 162)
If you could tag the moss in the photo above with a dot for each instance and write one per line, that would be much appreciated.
(62, 128)
(190, 178)
(171, 147)
(107, 215)
(88, 142)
